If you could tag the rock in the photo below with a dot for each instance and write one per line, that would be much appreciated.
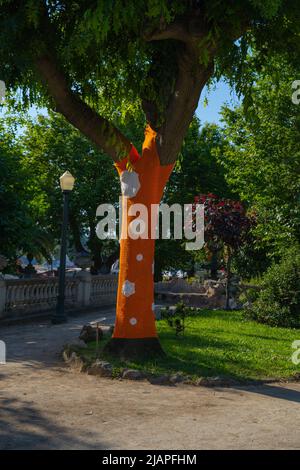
(76, 362)
(133, 374)
(100, 368)
(188, 381)
(160, 380)
(89, 333)
(66, 354)
(216, 382)
(177, 378)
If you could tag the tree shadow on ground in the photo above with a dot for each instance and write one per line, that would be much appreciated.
(22, 427)
(198, 356)
(275, 391)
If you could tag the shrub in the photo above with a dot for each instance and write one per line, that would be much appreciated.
(249, 295)
(176, 319)
(278, 303)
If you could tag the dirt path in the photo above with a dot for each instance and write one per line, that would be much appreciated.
(43, 405)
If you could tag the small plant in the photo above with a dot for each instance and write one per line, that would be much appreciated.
(176, 319)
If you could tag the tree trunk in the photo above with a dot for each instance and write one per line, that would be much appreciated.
(95, 246)
(228, 276)
(214, 265)
(75, 230)
(158, 272)
(135, 332)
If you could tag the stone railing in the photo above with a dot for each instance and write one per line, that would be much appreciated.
(20, 297)
(103, 289)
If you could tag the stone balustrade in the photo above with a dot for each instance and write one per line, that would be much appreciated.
(19, 297)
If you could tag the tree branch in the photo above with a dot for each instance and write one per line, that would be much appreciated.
(183, 102)
(100, 131)
(191, 79)
(188, 29)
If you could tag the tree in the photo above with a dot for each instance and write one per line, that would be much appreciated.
(93, 61)
(226, 228)
(197, 169)
(50, 146)
(19, 231)
(278, 302)
(262, 158)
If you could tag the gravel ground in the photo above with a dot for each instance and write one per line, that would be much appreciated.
(45, 405)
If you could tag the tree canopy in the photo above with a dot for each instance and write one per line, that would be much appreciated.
(99, 60)
(20, 232)
(262, 159)
(50, 146)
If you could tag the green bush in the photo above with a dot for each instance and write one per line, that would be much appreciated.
(249, 295)
(278, 303)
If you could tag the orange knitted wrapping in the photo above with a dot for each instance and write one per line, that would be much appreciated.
(135, 300)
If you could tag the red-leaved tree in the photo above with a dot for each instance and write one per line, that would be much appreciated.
(226, 227)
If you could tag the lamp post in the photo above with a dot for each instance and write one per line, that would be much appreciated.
(66, 184)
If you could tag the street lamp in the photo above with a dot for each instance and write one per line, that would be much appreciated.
(66, 184)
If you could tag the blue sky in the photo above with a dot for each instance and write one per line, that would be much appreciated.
(217, 96)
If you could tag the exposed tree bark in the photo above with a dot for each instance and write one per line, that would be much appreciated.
(188, 28)
(190, 31)
(182, 104)
(192, 76)
(100, 131)
(191, 79)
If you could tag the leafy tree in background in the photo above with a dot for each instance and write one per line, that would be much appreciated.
(197, 169)
(50, 146)
(94, 61)
(278, 302)
(262, 159)
(20, 233)
(226, 228)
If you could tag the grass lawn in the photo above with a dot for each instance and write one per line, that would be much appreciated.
(221, 343)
